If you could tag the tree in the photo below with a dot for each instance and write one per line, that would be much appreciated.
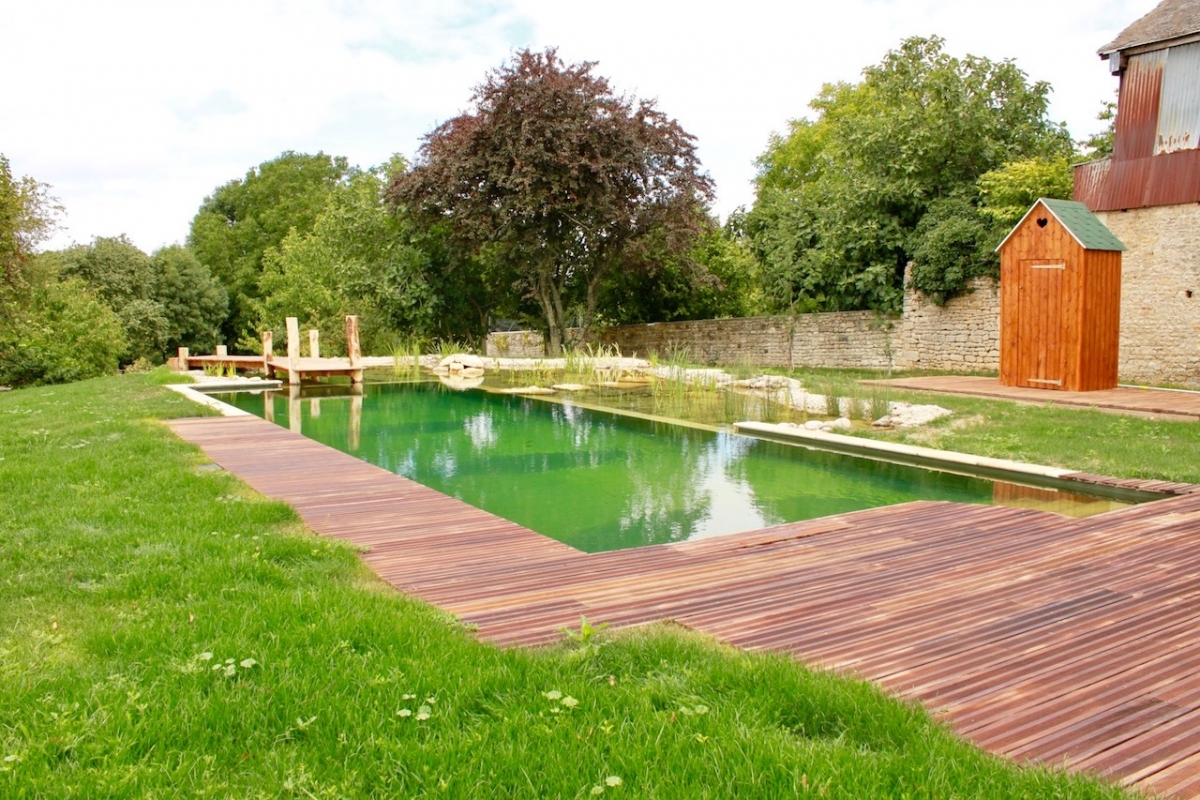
(163, 301)
(193, 301)
(243, 219)
(840, 198)
(50, 330)
(554, 182)
(670, 290)
(357, 259)
(1100, 145)
(28, 217)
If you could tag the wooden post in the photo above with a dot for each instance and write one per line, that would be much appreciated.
(268, 351)
(356, 406)
(183, 359)
(314, 343)
(222, 350)
(294, 410)
(293, 346)
(353, 350)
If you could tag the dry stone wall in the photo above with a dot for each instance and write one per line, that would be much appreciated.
(962, 335)
(1160, 293)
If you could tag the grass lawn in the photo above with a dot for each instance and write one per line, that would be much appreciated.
(165, 632)
(1086, 440)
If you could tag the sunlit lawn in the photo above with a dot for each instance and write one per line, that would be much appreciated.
(164, 632)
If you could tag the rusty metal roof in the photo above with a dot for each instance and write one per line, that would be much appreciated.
(1084, 226)
(1170, 20)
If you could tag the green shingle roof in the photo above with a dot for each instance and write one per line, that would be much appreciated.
(1086, 227)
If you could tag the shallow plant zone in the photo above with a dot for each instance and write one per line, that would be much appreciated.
(165, 632)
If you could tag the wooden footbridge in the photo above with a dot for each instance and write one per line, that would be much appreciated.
(1071, 642)
(294, 365)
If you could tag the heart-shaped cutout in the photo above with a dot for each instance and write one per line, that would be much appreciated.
(1042, 222)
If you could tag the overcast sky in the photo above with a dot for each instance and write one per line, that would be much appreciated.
(135, 111)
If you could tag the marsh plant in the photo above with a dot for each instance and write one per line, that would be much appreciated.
(880, 403)
(833, 399)
(406, 358)
(221, 369)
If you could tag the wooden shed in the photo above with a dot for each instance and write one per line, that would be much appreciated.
(1060, 300)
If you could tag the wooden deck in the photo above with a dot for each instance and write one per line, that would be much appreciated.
(273, 365)
(1166, 403)
(1066, 641)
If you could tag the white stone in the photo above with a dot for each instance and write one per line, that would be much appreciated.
(458, 361)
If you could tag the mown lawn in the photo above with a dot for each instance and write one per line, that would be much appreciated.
(164, 632)
(1081, 439)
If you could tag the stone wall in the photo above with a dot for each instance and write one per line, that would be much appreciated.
(515, 344)
(963, 335)
(846, 339)
(1160, 293)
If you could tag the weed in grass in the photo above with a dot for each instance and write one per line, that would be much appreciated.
(587, 638)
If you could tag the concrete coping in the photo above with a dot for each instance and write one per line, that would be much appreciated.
(893, 451)
(190, 393)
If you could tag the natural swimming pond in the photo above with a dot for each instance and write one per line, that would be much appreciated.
(601, 480)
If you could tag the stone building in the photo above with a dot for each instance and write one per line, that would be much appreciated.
(1148, 191)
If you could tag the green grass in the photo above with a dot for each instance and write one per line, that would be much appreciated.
(164, 632)
(1087, 440)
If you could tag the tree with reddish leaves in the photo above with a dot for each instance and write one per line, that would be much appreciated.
(555, 182)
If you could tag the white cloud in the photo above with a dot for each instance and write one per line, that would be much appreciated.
(135, 110)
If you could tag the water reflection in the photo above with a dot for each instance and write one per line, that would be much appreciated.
(598, 481)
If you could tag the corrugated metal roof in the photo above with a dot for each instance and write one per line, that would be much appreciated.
(1170, 19)
(1082, 224)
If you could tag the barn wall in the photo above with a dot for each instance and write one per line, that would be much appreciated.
(1160, 322)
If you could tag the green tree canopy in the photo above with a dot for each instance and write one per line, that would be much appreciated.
(357, 259)
(51, 330)
(243, 219)
(840, 199)
(163, 301)
(554, 182)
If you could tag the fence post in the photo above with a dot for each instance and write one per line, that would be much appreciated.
(314, 343)
(353, 350)
(268, 342)
(293, 348)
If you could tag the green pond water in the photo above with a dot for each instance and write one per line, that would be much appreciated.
(597, 480)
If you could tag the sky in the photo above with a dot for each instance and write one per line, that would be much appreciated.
(134, 111)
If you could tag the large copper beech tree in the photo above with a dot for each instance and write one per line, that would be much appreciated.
(554, 182)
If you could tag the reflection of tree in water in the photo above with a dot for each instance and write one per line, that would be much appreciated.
(793, 483)
(600, 481)
(666, 497)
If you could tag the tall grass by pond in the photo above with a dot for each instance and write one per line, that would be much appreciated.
(166, 632)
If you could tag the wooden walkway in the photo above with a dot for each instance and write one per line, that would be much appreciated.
(1066, 641)
(1164, 403)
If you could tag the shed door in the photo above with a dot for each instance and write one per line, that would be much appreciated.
(1040, 323)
